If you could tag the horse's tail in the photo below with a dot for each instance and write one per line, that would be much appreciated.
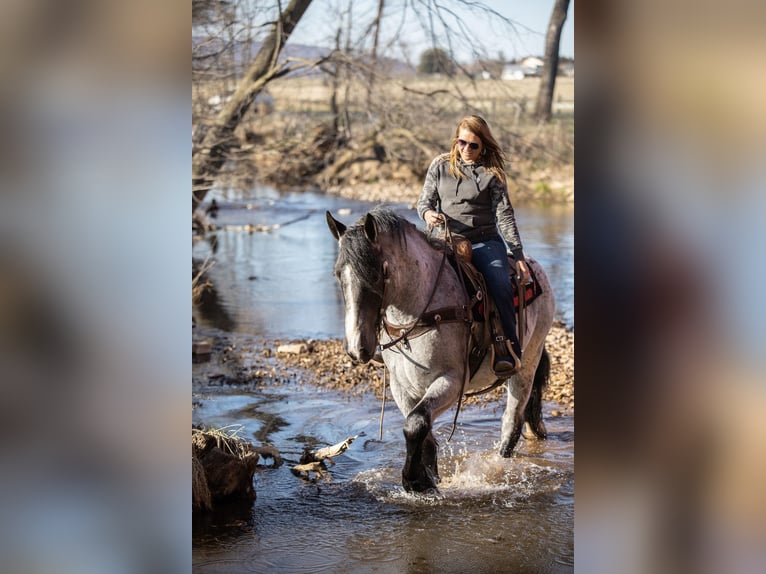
(533, 414)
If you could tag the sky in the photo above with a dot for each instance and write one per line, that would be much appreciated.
(531, 17)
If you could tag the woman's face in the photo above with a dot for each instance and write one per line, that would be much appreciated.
(469, 145)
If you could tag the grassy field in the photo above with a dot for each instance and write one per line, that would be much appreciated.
(496, 97)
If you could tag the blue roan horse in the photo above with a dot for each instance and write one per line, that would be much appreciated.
(387, 269)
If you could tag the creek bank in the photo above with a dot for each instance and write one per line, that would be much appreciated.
(256, 363)
(375, 168)
(223, 466)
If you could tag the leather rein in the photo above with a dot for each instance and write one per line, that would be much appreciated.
(429, 320)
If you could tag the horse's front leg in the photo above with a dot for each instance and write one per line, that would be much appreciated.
(415, 474)
(430, 447)
(420, 472)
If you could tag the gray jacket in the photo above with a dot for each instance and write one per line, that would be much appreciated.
(476, 205)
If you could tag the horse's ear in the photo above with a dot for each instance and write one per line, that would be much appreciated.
(370, 231)
(336, 227)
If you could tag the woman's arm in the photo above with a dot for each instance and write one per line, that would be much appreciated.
(506, 218)
(506, 222)
(429, 197)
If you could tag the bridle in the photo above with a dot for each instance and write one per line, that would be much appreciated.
(429, 320)
(426, 320)
(406, 330)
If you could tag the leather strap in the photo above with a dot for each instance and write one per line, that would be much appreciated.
(431, 320)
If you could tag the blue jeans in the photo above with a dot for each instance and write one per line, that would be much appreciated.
(490, 258)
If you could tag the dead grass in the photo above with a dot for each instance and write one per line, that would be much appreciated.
(201, 498)
(226, 438)
(495, 96)
(391, 136)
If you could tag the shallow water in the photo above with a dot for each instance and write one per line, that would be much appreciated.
(280, 284)
(491, 514)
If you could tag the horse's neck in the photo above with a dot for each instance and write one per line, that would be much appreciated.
(413, 275)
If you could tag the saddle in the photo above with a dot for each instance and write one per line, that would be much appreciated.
(486, 320)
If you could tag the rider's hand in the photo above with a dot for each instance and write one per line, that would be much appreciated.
(432, 218)
(523, 271)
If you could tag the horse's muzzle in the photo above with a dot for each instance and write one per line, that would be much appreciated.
(361, 355)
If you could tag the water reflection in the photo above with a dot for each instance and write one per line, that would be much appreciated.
(210, 309)
(280, 284)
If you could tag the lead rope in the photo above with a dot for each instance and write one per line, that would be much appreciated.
(466, 376)
(403, 337)
(383, 406)
(466, 369)
(466, 362)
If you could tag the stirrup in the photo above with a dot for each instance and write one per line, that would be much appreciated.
(504, 361)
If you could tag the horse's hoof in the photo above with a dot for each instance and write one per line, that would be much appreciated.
(430, 491)
(527, 431)
(420, 487)
(506, 451)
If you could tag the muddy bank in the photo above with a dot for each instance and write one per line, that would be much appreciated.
(244, 360)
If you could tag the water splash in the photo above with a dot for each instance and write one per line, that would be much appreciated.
(468, 478)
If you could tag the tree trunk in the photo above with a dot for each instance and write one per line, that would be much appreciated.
(374, 55)
(551, 65)
(211, 154)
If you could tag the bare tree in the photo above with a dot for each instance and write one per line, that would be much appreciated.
(209, 156)
(551, 65)
(376, 109)
(374, 54)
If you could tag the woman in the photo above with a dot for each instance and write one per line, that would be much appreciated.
(468, 186)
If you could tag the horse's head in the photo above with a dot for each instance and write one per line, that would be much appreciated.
(361, 273)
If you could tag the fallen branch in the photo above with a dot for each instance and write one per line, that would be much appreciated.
(251, 228)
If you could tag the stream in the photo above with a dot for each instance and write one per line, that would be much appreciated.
(491, 514)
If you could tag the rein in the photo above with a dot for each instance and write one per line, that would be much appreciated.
(407, 329)
(434, 318)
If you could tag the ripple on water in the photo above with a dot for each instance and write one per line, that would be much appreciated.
(470, 478)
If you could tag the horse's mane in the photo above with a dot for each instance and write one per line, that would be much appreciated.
(387, 221)
(358, 253)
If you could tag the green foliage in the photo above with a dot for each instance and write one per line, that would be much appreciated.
(436, 61)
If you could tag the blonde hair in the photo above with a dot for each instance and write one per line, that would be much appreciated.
(493, 157)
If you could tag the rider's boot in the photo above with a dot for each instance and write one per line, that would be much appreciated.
(505, 356)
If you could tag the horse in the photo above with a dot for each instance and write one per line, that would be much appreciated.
(389, 271)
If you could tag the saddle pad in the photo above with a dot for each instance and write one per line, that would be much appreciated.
(474, 281)
(531, 291)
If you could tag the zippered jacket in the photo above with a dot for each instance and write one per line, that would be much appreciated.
(477, 205)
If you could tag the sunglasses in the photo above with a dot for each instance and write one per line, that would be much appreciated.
(472, 145)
